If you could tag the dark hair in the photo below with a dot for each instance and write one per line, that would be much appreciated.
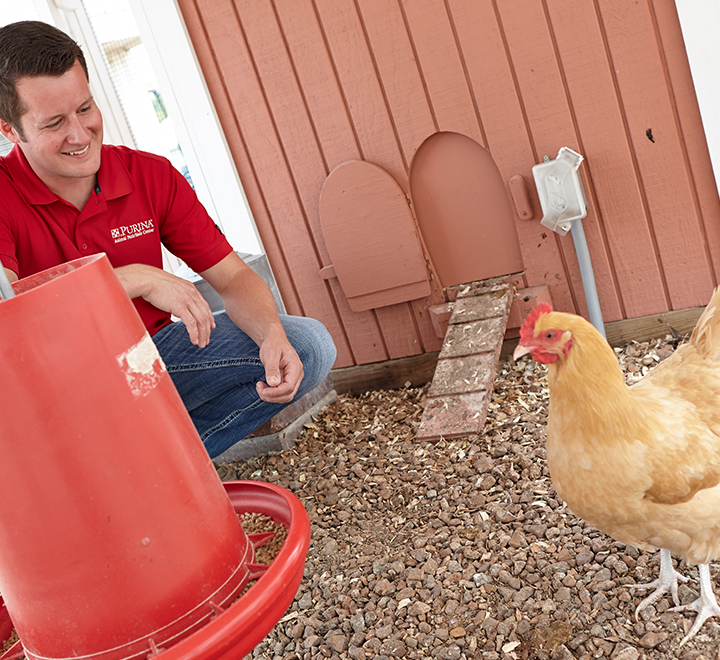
(32, 48)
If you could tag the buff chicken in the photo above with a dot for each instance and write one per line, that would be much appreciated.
(640, 463)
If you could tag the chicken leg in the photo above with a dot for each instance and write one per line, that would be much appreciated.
(706, 606)
(667, 582)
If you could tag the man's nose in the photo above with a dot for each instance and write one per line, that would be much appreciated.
(77, 130)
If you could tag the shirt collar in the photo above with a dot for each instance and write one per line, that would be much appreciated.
(26, 181)
(113, 177)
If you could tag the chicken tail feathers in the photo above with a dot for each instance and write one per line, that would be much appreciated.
(706, 335)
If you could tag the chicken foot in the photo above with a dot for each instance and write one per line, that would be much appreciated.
(706, 606)
(667, 582)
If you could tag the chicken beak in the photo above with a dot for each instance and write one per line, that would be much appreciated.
(520, 351)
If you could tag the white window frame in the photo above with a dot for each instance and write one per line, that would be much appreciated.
(163, 31)
(183, 88)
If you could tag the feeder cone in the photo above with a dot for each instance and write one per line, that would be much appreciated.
(116, 535)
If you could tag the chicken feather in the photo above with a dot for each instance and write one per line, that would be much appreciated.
(640, 463)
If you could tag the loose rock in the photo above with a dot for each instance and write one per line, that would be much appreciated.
(460, 549)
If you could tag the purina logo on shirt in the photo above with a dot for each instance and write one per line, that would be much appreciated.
(134, 230)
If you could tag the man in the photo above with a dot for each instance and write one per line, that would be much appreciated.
(63, 195)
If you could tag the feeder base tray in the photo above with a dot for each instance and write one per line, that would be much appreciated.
(233, 632)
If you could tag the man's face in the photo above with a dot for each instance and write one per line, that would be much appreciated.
(62, 129)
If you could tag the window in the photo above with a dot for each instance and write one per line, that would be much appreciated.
(10, 12)
(5, 146)
(146, 80)
(22, 10)
(133, 80)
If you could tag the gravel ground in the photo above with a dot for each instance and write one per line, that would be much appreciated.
(460, 549)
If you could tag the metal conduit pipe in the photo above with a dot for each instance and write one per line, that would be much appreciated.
(563, 202)
(588, 278)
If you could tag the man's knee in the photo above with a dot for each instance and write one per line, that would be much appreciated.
(314, 345)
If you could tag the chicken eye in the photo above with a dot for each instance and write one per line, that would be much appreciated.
(550, 334)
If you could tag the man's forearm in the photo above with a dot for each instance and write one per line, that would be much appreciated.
(135, 279)
(251, 306)
(171, 294)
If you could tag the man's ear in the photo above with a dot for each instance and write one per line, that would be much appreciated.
(8, 132)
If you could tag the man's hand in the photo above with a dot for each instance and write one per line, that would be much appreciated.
(171, 294)
(283, 370)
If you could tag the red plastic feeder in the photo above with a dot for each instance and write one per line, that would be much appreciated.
(117, 538)
(234, 632)
(237, 630)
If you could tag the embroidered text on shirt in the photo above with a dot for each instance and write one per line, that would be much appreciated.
(120, 234)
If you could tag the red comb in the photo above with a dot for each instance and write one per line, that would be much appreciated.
(528, 326)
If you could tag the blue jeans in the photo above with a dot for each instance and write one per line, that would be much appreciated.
(217, 383)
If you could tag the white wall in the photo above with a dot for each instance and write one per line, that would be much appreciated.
(700, 23)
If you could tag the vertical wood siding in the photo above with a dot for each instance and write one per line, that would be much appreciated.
(302, 86)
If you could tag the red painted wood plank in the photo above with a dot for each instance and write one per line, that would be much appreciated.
(397, 69)
(327, 133)
(404, 339)
(504, 125)
(433, 39)
(332, 110)
(288, 111)
(253, 123)
(649, 105)
(693, 134)
(315, 70)
(410, 119)
(347, 36)
(309, 58)
(213, 78)
(421, 310)
(363, 92)
(618, 214)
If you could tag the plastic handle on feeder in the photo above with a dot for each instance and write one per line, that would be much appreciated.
(6, 289)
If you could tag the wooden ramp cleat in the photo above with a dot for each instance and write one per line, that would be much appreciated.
(461, 388)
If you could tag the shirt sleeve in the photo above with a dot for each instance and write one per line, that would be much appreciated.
(8, 251)
(187, 230)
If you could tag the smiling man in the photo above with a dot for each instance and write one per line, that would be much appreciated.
(60, 132)
(63, 195)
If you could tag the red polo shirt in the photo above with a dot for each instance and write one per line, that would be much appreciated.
(140, 201)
